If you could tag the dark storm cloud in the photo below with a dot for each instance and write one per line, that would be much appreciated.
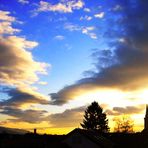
(125, 65)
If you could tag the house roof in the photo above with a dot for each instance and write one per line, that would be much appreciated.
(95, 137)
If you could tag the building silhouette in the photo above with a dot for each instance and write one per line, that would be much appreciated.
(146, 120)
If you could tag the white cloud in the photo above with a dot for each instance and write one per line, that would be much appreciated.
(6, 23)
(100, 15)
(63, 7)
(4, 16)
(72, 27)
(93, 35)
(6, 28)
(87, 10)
(85, 30)
(59, 37)
(88, 31)
(117, 8)
(23, 1)
(42, 83)
(88, 18)
(90, 28)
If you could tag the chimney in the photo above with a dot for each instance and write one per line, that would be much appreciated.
(35, 131)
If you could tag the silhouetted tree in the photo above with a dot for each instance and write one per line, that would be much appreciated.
(95, 118)
(124, 125)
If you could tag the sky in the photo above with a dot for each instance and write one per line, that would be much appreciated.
(58, 56)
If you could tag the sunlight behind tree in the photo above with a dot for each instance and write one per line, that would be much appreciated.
(123, 124)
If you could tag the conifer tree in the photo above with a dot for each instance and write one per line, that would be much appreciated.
(95, 118)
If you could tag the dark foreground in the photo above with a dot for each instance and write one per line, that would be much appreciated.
(137, 140)
(31, 141)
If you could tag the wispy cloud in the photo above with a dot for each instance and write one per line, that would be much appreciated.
(5, 16)
(42, 83)
(88, 18)
(59, 37)
(87, 10)
(6, 28)
(63, 6)
(72, 27)
(89, 30)
(99, 15)
(6, 23)
(23, 1)
(117, 8)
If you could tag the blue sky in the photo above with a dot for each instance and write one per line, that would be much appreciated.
(59, 56)
(73, 48)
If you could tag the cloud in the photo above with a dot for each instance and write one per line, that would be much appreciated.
(99, 15)
(15, 57)
(17, 65)
(5, 16)
(23, 1)
(22, 96)
(88, 18)
(6, 23)
(126, 110)
(117, 8)
(72, 27)
(18, 70)
(86, 9)
(5, 28)
(30, 116)
(68, 118)
(59, 37)
(63, 6)
(89, 30)
(42, 83)
(124, 64)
